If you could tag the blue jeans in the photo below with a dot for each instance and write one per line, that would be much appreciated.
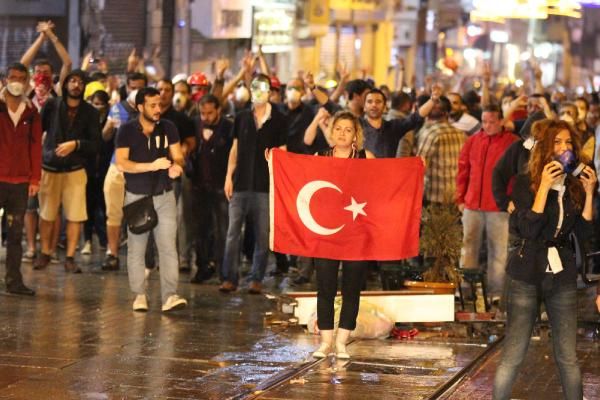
(241, 204)
(522, 309)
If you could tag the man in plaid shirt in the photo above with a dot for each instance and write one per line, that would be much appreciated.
(439, 144)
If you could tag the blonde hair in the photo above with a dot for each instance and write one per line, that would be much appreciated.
(359, 137)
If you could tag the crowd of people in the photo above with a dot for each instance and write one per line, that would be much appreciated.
(78, 146)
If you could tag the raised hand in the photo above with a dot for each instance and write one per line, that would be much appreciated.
(588, 179)
(486, 73)
(309, 80)
(343, 72)
(221, 65)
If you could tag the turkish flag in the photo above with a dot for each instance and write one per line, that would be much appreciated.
(345, 209)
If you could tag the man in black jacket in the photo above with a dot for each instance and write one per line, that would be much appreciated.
(209, 167)
(72, 134)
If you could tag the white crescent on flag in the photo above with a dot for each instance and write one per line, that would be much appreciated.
(303, 206)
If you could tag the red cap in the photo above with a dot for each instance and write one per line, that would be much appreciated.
(275, 83)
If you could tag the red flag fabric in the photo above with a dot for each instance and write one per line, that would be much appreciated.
(345, 209)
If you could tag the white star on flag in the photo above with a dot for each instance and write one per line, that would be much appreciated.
(356, 208)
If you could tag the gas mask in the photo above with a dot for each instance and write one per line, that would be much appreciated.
(260, 91)
(570, 163)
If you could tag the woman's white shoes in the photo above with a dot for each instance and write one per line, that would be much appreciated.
(323, 351)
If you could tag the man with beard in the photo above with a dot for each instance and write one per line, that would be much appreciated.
(149, 154)
(72, 136)
(209, 166)
(381, 136)
(458, 116)
(20, 166)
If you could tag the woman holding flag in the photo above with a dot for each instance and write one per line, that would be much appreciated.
(345, 134)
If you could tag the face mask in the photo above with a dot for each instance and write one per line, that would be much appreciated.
(568, 119)
(15, 88)
(131, 98)
(293, 95)
(241, 94)
(179, 101)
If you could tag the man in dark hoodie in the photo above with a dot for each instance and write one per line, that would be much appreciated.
(72, 134)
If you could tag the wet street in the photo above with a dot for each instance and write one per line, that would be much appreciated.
(78, 339)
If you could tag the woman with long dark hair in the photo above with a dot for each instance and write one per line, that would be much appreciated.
(552, 200)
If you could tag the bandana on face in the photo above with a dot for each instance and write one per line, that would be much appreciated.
(198, 95)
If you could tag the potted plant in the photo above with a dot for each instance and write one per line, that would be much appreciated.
(440, 243)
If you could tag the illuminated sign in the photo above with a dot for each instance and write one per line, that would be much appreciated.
(354, 4)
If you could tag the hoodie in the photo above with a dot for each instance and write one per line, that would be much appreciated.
(85, 129)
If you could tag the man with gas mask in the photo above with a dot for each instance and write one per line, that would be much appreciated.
(247, 182)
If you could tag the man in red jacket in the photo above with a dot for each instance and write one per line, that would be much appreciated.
(476, 201)
(20, 167)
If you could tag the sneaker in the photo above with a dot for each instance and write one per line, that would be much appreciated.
(28, 256)
(111, 263)
(71, 266)
(42, 261)
(87, 248)
(255, 288)
(54, 258)
(140, 303)
(147, 272)
(174, 302)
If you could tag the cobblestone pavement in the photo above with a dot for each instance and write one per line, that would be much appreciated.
(78, 339)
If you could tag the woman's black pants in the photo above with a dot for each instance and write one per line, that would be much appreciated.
(354, 274)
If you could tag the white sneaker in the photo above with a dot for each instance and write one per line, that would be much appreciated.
(174, 302)
(140, 303)
(87, 248)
